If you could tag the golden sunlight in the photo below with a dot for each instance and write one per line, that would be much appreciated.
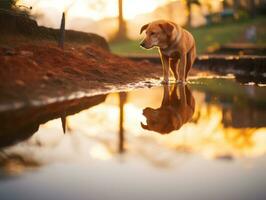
(85, 8)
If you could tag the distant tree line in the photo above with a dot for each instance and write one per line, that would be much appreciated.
(7, 4)
(251, 6)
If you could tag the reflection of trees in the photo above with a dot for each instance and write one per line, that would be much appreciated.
(243, 106)
(239, 139)
(222, 141)
(64, 122)
(122, 101)
(244, 117)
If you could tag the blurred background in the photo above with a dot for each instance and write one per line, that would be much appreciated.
(213, 22)
(106, 143)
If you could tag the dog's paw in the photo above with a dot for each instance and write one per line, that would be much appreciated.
(164, 82)
(180, 82)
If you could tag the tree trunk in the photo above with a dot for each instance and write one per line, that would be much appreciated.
(252, 8)
(122, 30)
(189, 4)
(236, 8)
(189, 20)
(122, 101)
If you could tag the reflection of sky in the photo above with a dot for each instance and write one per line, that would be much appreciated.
(122, 179)
(93, 135)
(85, 163)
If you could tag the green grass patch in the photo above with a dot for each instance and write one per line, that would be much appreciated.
(129, 47)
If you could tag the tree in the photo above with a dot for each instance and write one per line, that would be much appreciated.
(7, 4)
(122, 30)
(252, 8)
(189, 4)
(11, 5)
(236, 7)
(247, 5)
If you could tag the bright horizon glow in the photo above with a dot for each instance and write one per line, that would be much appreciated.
(83, 8)
(84, 15)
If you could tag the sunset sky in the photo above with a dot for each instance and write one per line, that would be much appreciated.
(83, 15)
(95, 9)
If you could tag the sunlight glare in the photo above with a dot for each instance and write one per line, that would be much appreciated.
(82, 8)
(100, 152)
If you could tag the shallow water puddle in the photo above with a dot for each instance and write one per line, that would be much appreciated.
(206, 140)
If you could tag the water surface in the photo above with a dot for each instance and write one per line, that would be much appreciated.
(206, 140)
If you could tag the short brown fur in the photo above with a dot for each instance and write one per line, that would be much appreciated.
(176, 45)
(177, 108)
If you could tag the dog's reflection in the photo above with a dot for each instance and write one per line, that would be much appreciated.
(177, 108)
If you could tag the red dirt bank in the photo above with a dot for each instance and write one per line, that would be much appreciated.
(41, 71)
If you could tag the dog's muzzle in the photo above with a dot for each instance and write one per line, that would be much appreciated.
(142, 44)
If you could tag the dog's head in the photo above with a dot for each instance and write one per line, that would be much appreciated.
(158, 34)
(162, 120)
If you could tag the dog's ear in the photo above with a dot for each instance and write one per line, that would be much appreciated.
(146, 127)
(143, 28)
(167, 28)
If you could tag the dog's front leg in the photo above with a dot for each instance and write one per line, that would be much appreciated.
(166, 97)
(165, 63)
(173, 65)
(181, 69)
(183, 96)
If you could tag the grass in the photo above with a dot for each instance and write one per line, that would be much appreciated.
(207, 38)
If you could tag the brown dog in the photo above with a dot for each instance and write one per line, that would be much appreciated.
(173, 113)
(176, 47)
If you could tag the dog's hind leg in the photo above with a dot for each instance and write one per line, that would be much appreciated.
(181, 68)
(191, 56)
(173, 66)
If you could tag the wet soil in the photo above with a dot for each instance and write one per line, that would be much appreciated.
(40, 72)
